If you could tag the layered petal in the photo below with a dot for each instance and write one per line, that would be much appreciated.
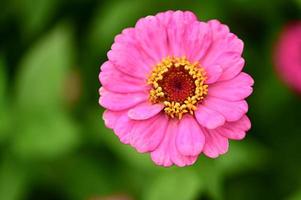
(232, 111)
(209, 118)
(123, 127)
(146, 135)
(177, 28)
(216, 144)
(128, 57)
(116, 81)
(235, 130)
(235, 89)
(145, 110)
(152, 37)
(197, 40)
(213, 73)
(231, 63)
(224, 39)
(167, 153)
(190, 138)
(225, 50)
(111, 118)
(120, 101)
(170, 16)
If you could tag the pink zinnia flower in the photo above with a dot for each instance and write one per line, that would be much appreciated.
(173, 87)
(288, 55)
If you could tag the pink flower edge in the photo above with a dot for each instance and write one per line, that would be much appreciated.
(287, 55)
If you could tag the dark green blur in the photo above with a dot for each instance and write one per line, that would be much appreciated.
(53, 143)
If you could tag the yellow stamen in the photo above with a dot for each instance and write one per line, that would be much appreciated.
(157, 94)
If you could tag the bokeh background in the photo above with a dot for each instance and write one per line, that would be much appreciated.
(53, 143)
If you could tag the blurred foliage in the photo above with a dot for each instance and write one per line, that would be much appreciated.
(54, 148)
(186, 181)
(47, 64)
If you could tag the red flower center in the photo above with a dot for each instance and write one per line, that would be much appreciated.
(177, 84)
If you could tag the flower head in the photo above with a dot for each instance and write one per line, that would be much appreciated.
(173, 86)
(288, 55)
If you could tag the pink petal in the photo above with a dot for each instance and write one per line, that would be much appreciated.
(161, 155)
(175, 33)
(120, 123)
(128, 57)
(168, 17)
(110, 118)
(190, 138)
(116, 81)
(235, 44)
(215, 144)
(218, 45)
(235, 89)
(118, 101)
(232, 111)
(287, 55)
(180, 160)
(137, 50)
(165, 17)
(209, 118)
(146, 135)
(176, 24)
(167, 154)
(152, 38)
(225, 50)
(197, 40)
(235, 130)
(231, 63)
(145, 110)
(222, 36)
(213, 73)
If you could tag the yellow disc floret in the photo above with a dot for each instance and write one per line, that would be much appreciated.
(178, 84)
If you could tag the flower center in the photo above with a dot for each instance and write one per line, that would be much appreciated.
(178, 84)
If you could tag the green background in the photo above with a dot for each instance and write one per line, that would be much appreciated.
(53, 143)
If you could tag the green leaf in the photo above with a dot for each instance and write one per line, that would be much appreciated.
(211, 177)
(46, 136)
(4, 110)
(241, 157)
(12, 181)
(2, 81)
(206, 10)
(296, 196)
(178, 184)
(34, 14)
(43, 71)
(89, 178)
(299, 3)
(44, 130)
(278, 94)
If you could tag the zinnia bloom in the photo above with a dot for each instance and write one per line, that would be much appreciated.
(288, 55)
(173, 87)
